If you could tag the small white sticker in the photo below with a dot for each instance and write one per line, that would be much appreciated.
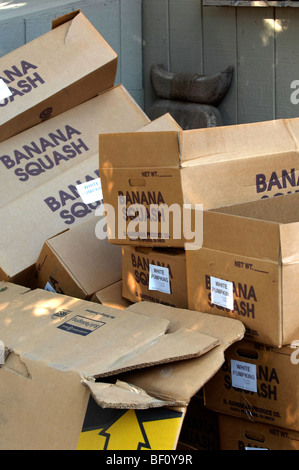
(91, 191)
(243, 375)
(222, 293)
(49, 287)
(2, 353)
(159, 279)
(4, 90)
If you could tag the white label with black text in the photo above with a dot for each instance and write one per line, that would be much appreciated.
(4, 90)
(49, 288)
(243, 375)
(222, 293)
(159, 279)
(91, 191)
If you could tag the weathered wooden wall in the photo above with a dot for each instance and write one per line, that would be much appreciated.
(183, 35)
(118, 21)
(260, 42)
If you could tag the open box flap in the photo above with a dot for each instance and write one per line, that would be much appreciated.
(92, 339)
(179, 381)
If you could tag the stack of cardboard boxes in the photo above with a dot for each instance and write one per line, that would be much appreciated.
(83, 366)
(148, 274)
(243, 265)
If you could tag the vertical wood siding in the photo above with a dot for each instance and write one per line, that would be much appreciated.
(118, 21)
(260, 42)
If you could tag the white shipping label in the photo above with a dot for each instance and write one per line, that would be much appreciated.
(222, 293)
(4, 90)
(49, 287)
(159, 279)
(91, 191)
(243, 375)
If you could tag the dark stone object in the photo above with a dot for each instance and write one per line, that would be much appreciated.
(187, 115)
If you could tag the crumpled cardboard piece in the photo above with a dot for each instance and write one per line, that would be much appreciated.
(175, 383)
(95, 340)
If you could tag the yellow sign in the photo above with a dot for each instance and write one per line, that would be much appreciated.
(152, 429)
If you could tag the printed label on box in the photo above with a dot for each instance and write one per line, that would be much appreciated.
(222, 293)
(80, 325)
(49, 287)
(243, 375)
(159, 279)
(90, 191)
(4, 90)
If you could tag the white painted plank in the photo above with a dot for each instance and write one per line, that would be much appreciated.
(104, 15)
(219, 33)
(12, 35)
(255, 39)
(131, 43)
(155, 21)
(287, 62)
(185, 36)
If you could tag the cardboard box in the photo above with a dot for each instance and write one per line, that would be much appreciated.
(214, 167)
(55, 205)
(258, 383)
(118, 429)
(155, 275)
(179, 382)
(42, 152)
(111, 296)
(55, 72)
(63, 351)
(200, 429)
(241, 434)
(77, 263)
(250, 255)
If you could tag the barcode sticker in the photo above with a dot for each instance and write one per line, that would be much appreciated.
(222, 293)
(159, 279)
(91, 191)
(4, 90)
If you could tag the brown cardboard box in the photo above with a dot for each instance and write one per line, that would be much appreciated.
(64, 351)
(215, 167)
(56, 205)
(200, 429)
(111, 296)
(77, 263)
(142, 279)
(42, 152)
(53, 73)
(258, 383)
(251, 251)
(241, 434)
(180, 381)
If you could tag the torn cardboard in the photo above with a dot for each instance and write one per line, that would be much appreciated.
(212, 167)
(155, 275)
(77, 263)
(251, 252)
(58, 343)
(177, 382)
(42, 152)
(258, 383)
(57, 202)
(47, 76)
(57, 323)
